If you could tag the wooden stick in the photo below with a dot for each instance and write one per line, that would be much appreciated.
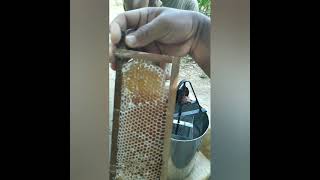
(116, 116)
(169, 119)
(124, 53)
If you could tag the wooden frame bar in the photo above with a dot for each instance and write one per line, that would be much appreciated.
(170, 111)
(116, 115)
(124, 53)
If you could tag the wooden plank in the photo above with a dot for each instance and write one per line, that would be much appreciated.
(124, 53)
(116, 116)
(170, 111)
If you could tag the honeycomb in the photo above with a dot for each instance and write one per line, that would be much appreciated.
(142, 122)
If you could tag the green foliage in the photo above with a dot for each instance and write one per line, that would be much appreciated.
(205, 7)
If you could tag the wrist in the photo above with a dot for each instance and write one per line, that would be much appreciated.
(200, 50)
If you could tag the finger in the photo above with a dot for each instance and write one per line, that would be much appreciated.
(152, 48)
(112, 57)
(115, 33)
(147, 33)
(132, 19)
(179, 50)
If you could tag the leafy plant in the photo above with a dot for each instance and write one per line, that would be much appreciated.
(205, 7)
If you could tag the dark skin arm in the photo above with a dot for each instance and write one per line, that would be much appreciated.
(165, 31)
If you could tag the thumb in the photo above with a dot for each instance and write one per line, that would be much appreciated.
(146, 34)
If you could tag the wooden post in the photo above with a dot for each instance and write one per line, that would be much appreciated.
(116, 116)
(124, 53)
(170, 111)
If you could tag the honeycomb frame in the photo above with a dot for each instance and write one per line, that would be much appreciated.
(142, 117)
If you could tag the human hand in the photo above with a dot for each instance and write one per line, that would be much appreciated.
(164, 31)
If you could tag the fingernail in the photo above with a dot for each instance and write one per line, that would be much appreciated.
(131, 40)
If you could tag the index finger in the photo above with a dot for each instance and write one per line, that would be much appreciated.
(132, 20)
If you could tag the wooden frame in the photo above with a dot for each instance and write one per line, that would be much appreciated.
(170, 110)
(122, 56)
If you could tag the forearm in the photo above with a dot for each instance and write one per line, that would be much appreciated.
(201, 49)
